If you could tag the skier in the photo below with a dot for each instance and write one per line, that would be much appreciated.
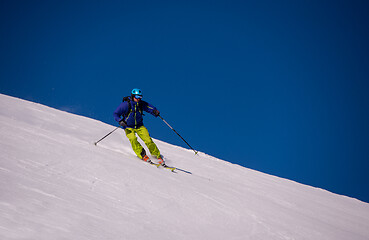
(129, 114)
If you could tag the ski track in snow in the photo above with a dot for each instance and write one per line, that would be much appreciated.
(56, 184)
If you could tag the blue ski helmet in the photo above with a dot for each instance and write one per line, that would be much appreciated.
(137, 93)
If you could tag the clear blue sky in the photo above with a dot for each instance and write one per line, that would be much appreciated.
(276, 86)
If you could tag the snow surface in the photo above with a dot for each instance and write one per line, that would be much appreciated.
(56, 184)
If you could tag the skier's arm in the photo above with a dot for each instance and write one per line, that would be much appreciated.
(150, 109)
(121, 110)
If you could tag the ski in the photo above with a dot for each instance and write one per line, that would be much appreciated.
(158, 165)
(167, 167)
(172, 169)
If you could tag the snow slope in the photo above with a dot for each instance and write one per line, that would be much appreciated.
(56, 184)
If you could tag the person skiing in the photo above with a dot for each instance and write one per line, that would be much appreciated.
(129, 114)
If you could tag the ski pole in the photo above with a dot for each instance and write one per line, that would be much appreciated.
(177, 134)
(106, 135)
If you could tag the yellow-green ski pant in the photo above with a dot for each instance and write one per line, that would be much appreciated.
(144, 135)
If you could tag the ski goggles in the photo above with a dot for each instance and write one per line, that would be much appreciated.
(138, 96)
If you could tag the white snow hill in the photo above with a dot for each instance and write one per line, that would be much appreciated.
(55, 184)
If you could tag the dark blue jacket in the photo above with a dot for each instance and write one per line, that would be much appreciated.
(134, 117)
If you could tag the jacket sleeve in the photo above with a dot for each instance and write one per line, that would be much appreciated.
(121, 110)
(147, 107)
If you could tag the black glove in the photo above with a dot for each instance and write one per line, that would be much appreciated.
(122, 123)
(156, 112)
